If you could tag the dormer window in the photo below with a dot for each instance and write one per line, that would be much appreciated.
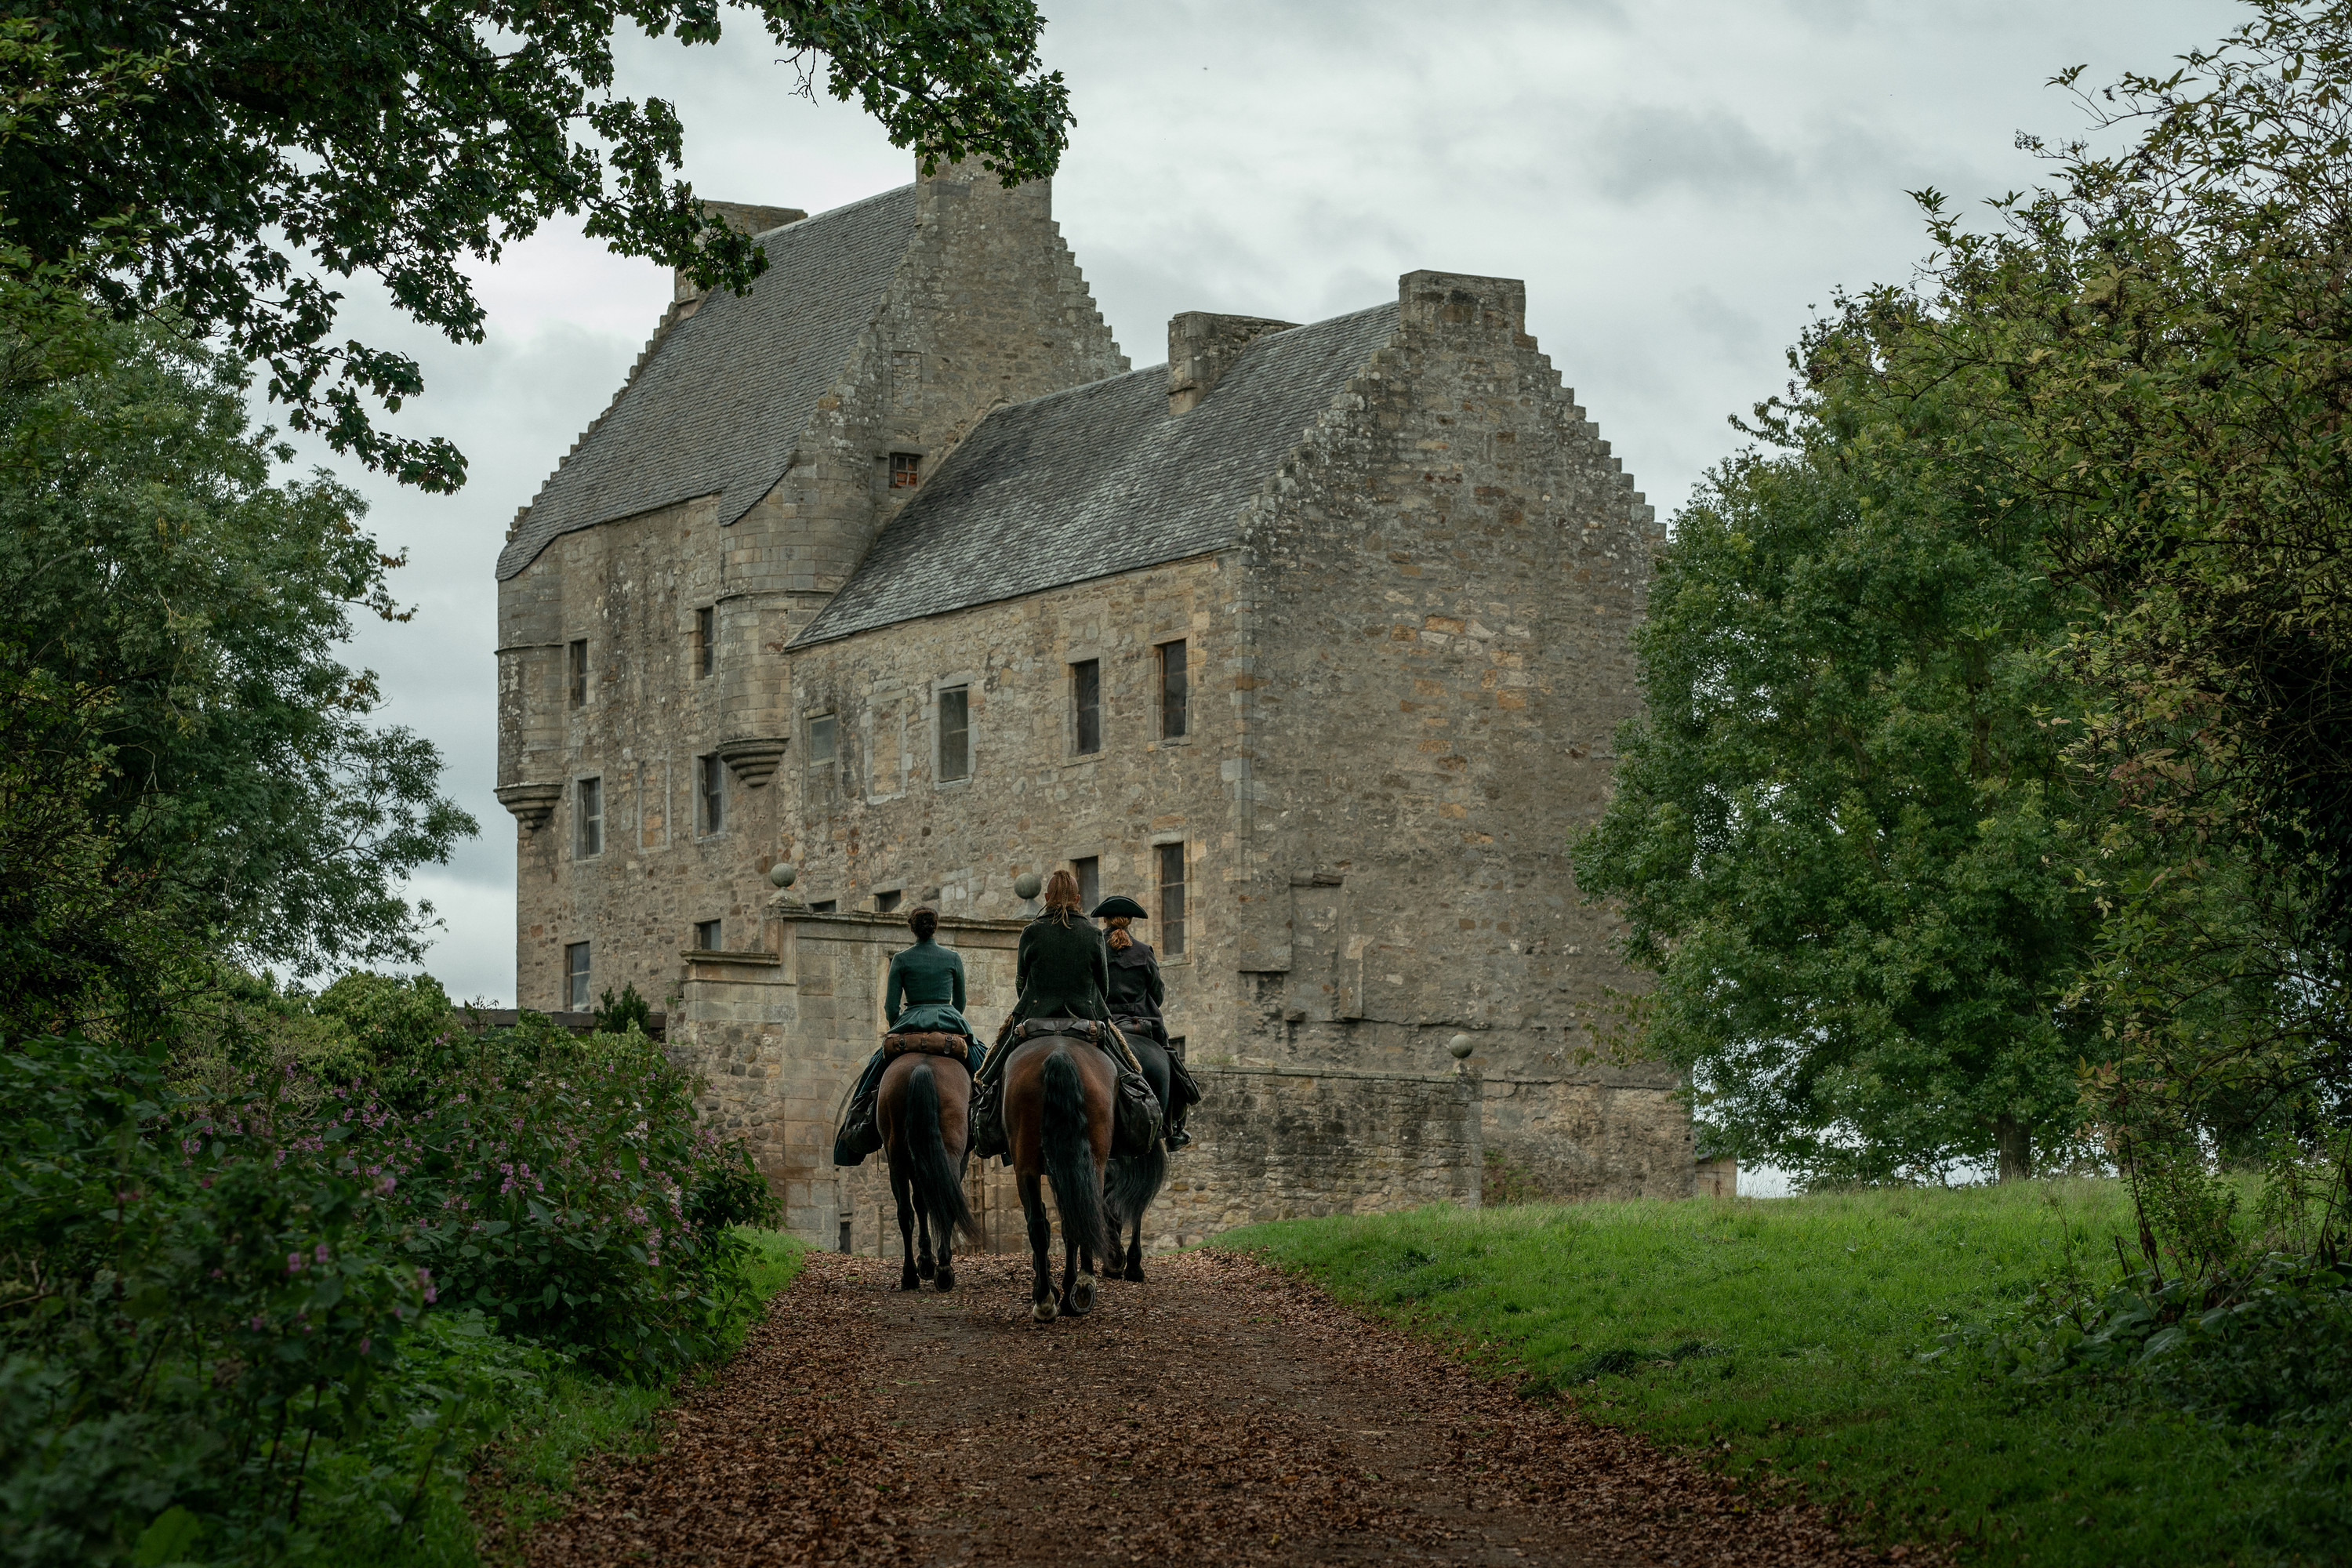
(906, 470)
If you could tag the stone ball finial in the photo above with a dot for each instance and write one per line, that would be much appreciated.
(1461, 1045)
(783, 875)
(1027, 885)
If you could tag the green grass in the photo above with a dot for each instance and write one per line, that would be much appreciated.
(1782, 1339)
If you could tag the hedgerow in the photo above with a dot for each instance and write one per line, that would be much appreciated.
(210, 1293)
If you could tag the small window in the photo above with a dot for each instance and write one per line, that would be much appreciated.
(1170, 929)
(590, 839)
(1085, 705)
(820, 739)
(710, 780)
(906, 470)
(822, 907)
(575, 976)
(886, 903)
(955, 734)
(1173, 692)
(707, 936)
(1176, 1046)
(580, 673)
(705, 642)
(1089, 874)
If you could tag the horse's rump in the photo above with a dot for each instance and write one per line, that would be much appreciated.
(919, 1103)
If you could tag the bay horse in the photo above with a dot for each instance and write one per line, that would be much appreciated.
(1135, 1180)
(1058, 1092)
(923, 1108)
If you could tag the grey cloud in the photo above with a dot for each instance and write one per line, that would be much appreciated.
(1645, 152)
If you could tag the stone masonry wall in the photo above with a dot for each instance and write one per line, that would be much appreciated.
(879, 819)
(1440, 591)
(1274, 1143)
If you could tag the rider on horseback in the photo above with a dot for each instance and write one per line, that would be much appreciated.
(1063, 976)
(924, 997)
(1136, 993)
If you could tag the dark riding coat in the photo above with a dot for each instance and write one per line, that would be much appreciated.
(1063, 971)
(1135, 990)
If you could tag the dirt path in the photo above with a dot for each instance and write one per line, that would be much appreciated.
(1221, 1413)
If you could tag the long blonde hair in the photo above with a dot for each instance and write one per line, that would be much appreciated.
(1062, 896)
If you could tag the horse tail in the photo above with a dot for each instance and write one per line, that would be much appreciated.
(1069, 1156)
(937, 1189)
(1134, 1183)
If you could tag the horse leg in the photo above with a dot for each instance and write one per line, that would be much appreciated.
(1042, 1305)
(923, 1264)
(903, 1190)
(1134, 1252)
(945, 1279)
(1077, 1279)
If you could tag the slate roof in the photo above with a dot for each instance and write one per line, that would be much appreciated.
(723, 395)
(1097, 479)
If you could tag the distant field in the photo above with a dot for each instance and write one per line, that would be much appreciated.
(1783, 1339)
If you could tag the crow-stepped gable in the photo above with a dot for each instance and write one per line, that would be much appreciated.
(891, 577)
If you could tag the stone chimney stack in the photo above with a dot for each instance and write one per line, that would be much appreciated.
(743, 218)
(1201, 346)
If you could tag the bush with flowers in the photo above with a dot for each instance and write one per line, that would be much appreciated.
(216, 1297)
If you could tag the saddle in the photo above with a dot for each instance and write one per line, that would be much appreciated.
(1136, 1116)
(929, 1043)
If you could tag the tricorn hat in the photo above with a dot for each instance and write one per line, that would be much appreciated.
(1120, 904)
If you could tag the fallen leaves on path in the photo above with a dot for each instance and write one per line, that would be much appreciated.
(1223, 1411)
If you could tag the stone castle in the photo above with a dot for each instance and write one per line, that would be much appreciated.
(891, 577)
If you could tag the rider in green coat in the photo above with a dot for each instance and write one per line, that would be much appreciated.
(923, 995)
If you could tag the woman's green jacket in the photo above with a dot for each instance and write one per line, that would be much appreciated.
(926, 990)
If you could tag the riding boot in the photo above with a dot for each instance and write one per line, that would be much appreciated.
(1177, 1137)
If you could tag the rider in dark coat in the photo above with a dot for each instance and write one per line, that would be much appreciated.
(1136, 995)
(923, 995)
(1062, 970)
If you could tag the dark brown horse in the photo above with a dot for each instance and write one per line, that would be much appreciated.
(924, 1109)
(1136, 1179)
(1057, 1119)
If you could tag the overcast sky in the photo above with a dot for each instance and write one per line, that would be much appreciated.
(1679, 181)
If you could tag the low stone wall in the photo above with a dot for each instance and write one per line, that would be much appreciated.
(1576, 1137)
(1274, 1144)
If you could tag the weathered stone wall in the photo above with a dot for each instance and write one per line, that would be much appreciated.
(1440, 595)
(880, 819)
(780, 1043)
(1287, 1143)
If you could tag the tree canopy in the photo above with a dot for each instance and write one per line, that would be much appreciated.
(170, 660)
(1838, 831)
(235, 158)
(2002, 718)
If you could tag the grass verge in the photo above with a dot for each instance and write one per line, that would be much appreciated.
(1783, 1339)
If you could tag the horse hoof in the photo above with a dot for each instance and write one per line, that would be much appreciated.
(909, 1281)
(1082, 1296)
(1043, 1311)
(926, 1269)
(1134, 1272)
(944, 1279)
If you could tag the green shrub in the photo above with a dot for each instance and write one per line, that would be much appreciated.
(234, 1315)
(185, 1320)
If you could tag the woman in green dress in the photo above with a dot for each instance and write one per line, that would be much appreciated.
(924, 995)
